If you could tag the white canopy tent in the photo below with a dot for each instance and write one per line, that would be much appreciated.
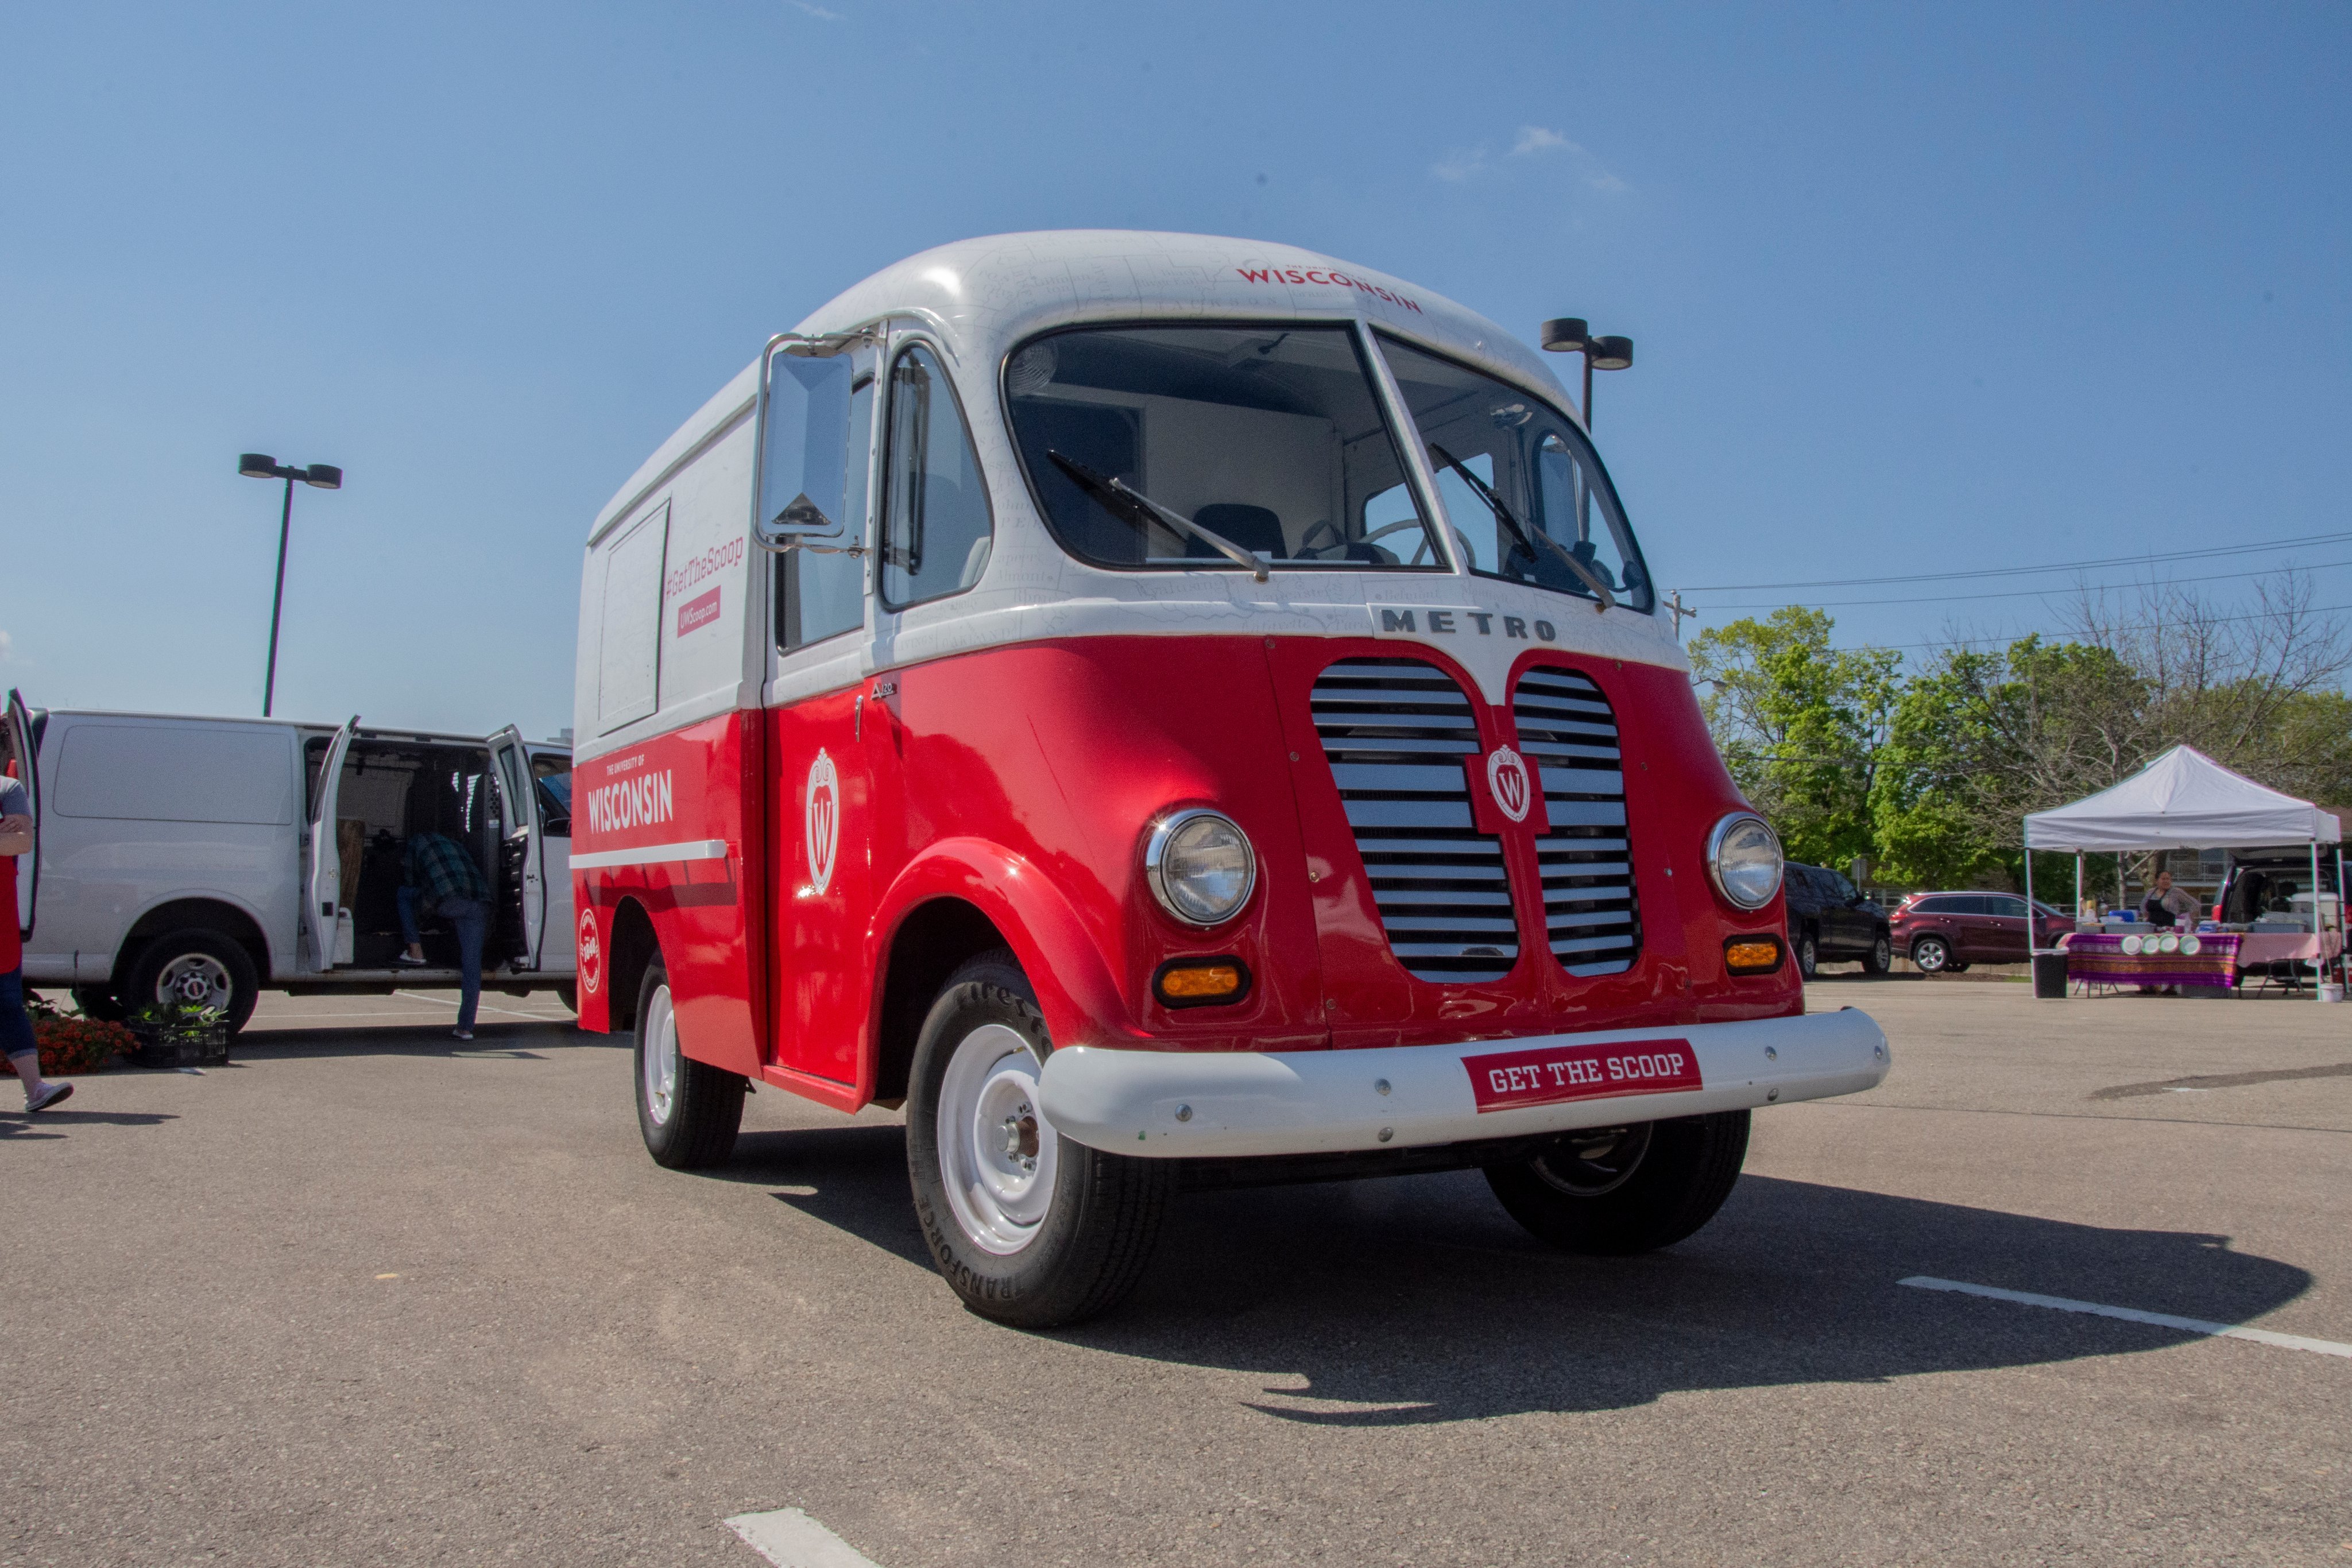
(2184, 800)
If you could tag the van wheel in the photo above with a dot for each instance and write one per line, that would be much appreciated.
(1881, 957)
(196, 966)
(1807, 956)
(1029, 1228)
(688, 1111)
(99, 1002)
(1933, 954)
(1613, 1191)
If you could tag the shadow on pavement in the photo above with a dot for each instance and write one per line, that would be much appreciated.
(24, 1124)
(1416, 1298)
(859, 1175)
(527, 1040)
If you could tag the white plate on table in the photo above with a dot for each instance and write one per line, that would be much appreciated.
(2190, 946)
(2132, 945)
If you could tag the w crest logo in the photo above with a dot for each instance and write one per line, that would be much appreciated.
(823, 823)
(1507, 780)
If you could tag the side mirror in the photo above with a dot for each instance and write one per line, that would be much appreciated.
(805, 457)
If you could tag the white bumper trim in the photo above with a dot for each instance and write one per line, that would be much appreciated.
(1185, 1104)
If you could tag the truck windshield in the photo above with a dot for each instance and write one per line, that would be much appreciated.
(1534, 471)
(1270, 438)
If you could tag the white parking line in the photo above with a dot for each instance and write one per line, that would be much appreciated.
(2134, 1315)
(791, 1539)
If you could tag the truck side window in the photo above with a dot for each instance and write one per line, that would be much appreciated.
(822, 592)
(937, 529)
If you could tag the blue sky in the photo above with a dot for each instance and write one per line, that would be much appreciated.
(1913, 289)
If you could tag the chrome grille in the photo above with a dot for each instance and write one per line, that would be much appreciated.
(1395, 732)
(1592, 917)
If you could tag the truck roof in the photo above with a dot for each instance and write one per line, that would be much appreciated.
(983, 296)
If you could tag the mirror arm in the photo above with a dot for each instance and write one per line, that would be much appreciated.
(823, 345)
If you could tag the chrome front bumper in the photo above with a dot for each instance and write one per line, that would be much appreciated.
(1184, 1104)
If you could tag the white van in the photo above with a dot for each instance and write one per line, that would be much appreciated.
(201, 860)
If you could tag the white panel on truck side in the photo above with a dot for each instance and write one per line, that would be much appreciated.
(709, 588)
(629, 656)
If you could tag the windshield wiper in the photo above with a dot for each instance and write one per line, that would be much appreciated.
(1136, 506)
(1584, 574)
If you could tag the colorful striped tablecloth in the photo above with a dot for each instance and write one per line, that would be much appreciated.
(2099, 957)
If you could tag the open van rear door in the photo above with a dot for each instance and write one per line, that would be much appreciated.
(324, 892)
(23, 763)
(523, 823)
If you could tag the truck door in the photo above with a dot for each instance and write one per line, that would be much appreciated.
(23, 764)
(823, 735)
(322, 892)
(523, 855)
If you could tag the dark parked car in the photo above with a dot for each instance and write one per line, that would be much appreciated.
(1829, 920)
(1947, 932)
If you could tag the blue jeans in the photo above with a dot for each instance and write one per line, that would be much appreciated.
(406, 899)
(471, 916)
(15, 1026)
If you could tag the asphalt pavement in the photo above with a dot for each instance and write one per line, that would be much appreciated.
(370, 1296)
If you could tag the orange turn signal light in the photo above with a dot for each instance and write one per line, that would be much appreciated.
(1752, 955)
(1200, 982)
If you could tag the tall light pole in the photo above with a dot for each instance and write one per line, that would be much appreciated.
(1569, 335)
(325, 476)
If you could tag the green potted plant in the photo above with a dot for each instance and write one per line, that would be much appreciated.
(180, 1034)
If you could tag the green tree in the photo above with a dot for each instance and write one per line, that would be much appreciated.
(1801, 724)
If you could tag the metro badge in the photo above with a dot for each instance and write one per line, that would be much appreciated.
(823, 819)
(1549, 1074)
(1507, 780)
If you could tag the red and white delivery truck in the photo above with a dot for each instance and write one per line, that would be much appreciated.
(1166, 711)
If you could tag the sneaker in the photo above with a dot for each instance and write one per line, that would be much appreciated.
(56, 1092)
(403, 961)
(461, 1034)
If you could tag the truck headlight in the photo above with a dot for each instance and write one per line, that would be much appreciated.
(1743, 855)
(1201, 866)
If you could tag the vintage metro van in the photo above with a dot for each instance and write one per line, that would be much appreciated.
(1168, 711)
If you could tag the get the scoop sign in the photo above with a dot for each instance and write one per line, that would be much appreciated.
(823, 819)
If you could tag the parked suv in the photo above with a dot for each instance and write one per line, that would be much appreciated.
(1829, 920)
(1946, 932)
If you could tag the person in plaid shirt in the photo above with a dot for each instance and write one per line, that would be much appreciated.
(442, 875)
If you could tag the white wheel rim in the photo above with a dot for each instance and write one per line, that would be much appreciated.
(198, 979)
(660, 1057)
(996, 1150)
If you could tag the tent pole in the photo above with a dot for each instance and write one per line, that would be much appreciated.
(2318, 939)
(2032, 927)
(2078, 884)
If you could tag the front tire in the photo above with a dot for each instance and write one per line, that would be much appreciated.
(1807, 956)
(198, 967)
(1028, 1227)
(1616, 1191)
(1881, 957)
(688, 1111)
(1931, 955)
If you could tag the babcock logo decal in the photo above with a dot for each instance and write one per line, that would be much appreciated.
(823, 809)
(640, 802)
(1507, 776)
(591, 952)
(1549, 1074)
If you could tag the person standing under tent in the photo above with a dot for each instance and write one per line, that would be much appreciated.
(2166, 904)
(24, 1053)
